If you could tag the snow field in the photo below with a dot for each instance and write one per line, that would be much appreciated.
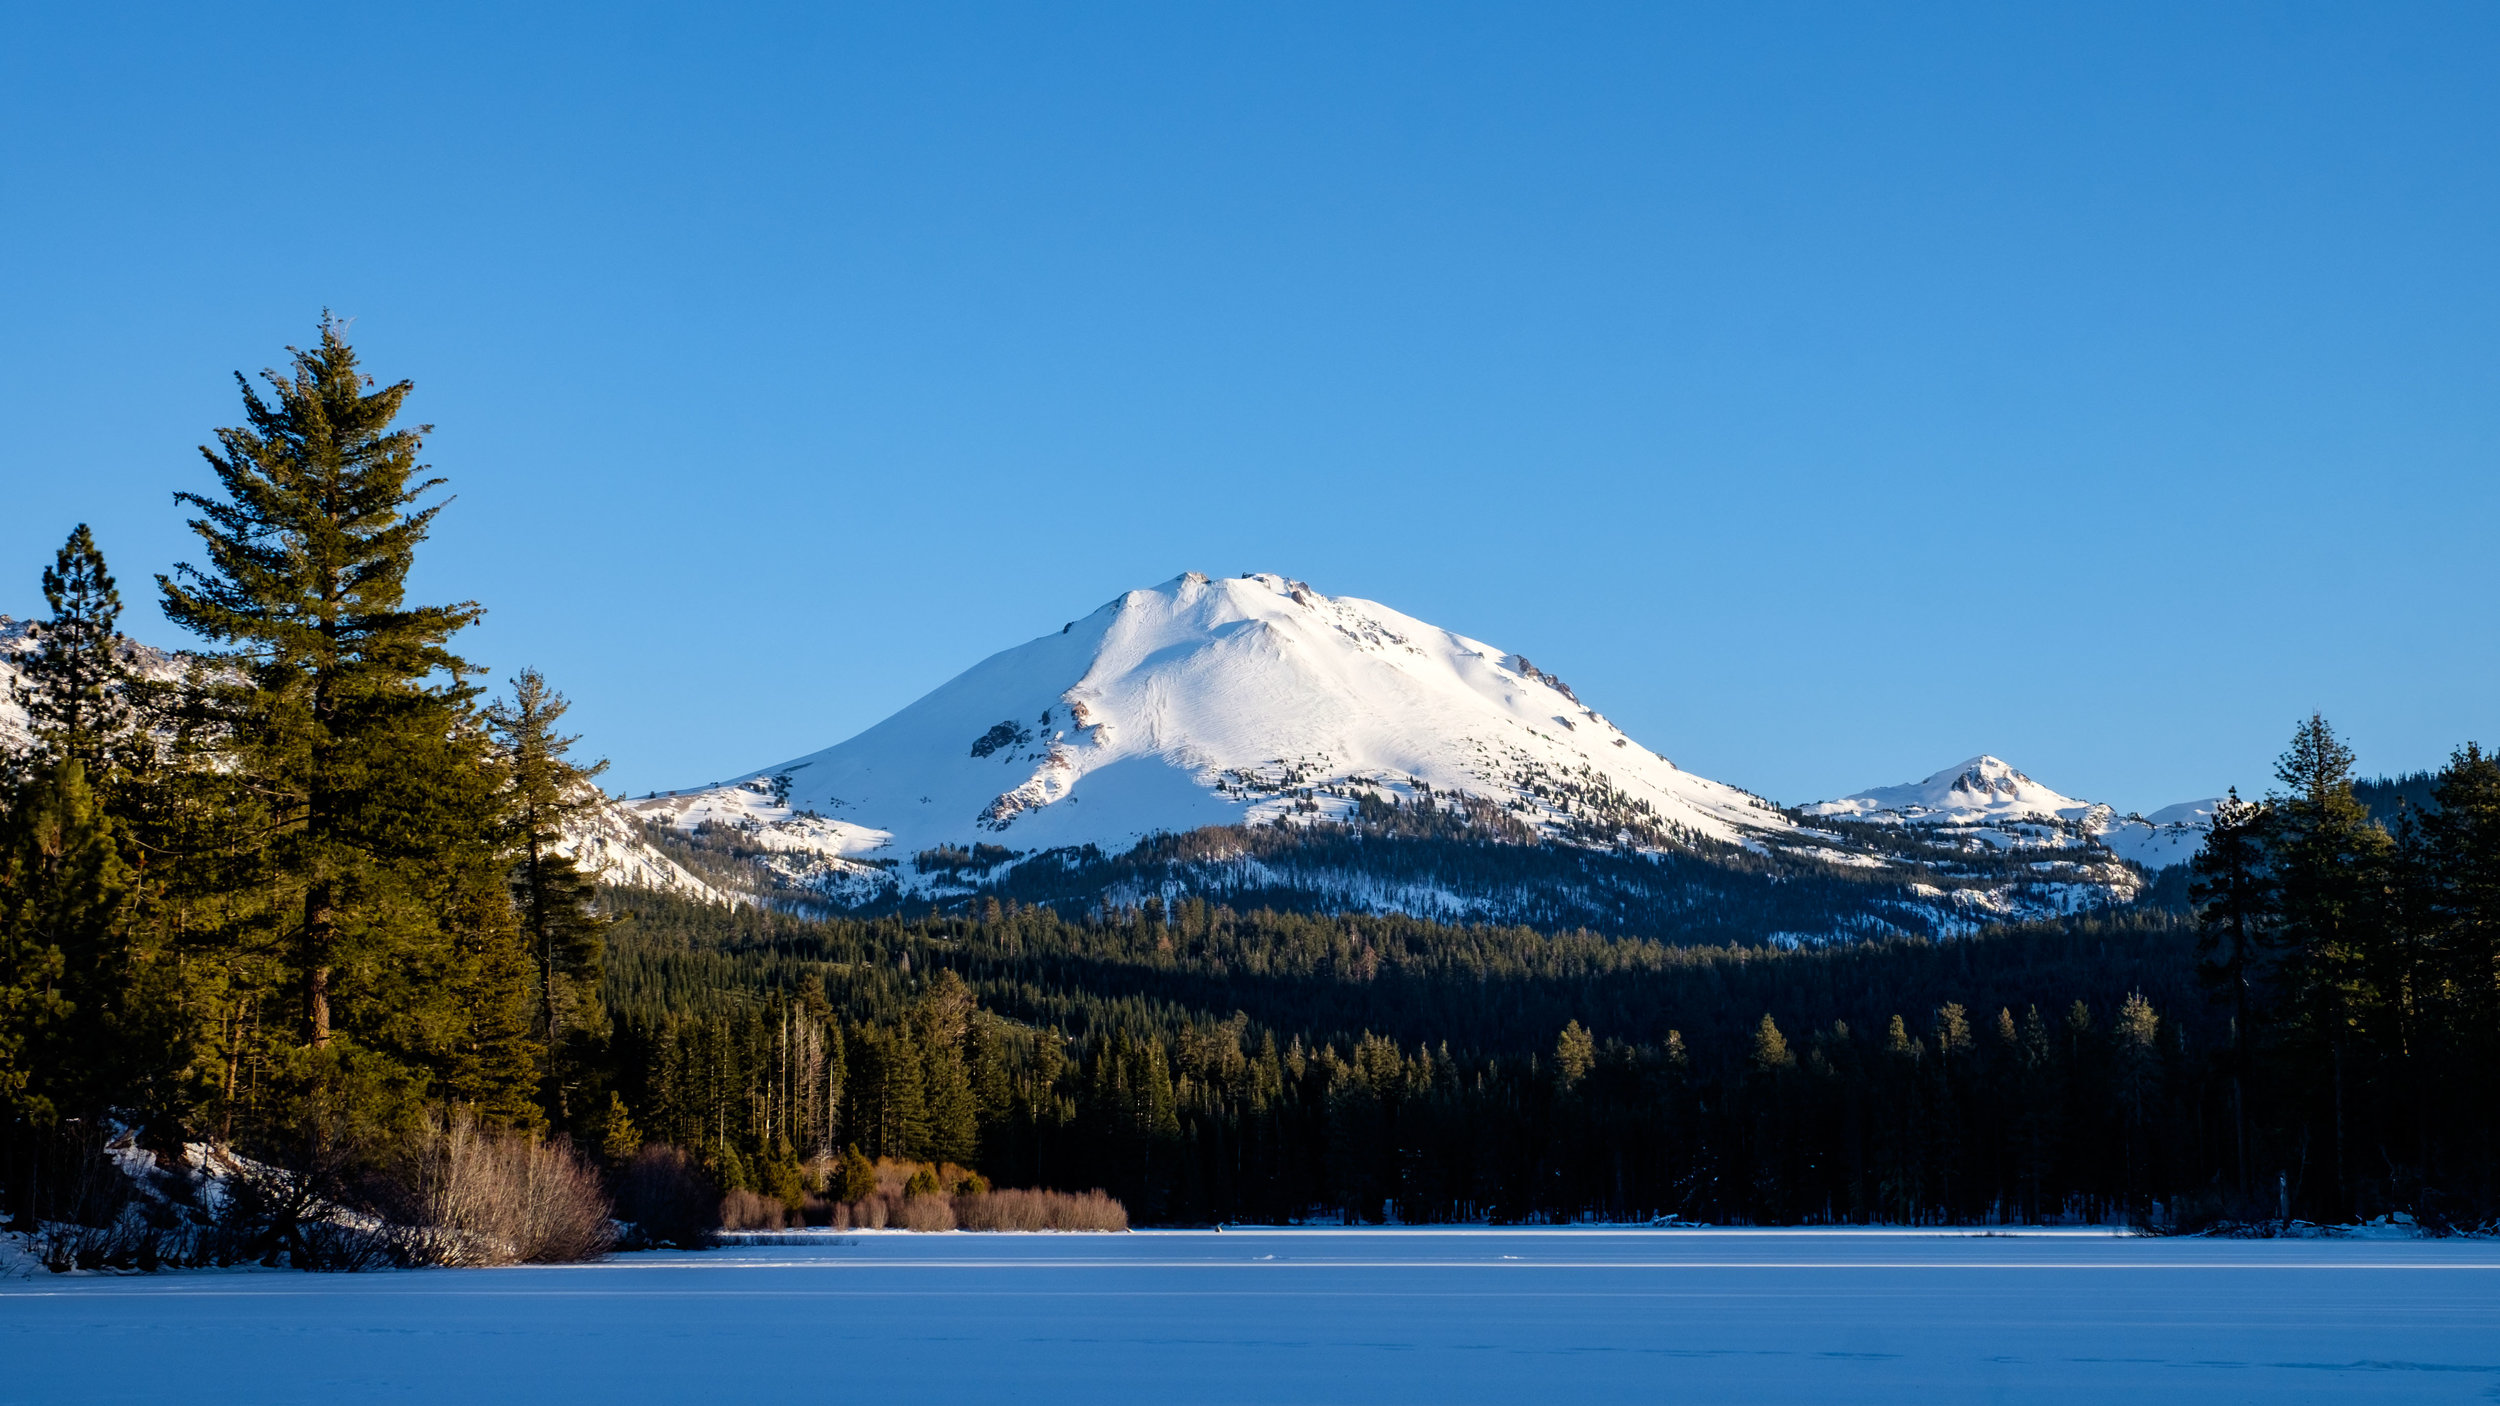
(1309, 1316)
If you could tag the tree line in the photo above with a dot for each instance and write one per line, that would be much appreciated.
(2356, 958)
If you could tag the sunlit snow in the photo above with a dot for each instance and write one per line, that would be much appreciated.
(1213, 702)
(1986, 799)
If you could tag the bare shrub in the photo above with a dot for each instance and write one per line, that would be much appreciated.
(943, 1196)
(128, 1243)
(1039, 1210)
(898, 1177)
(487, 1197)
(344, 1247)
(665, 1198)
(926, 1213)
(747, 1210)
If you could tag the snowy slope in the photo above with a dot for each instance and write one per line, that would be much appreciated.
(1985, 799)
(2170, 835)
(17, 639)
(1217, 702)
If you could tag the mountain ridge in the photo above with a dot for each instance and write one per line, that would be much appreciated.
(1243, 705)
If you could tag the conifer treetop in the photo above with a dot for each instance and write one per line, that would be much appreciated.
(75, 686)
(309, 551)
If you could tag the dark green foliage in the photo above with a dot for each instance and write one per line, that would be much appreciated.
(2355, 966)
(855, 1179)
(342, 703)
(557, 903)
(284, 913)
(75, 685)
(1429, 1081)
(65, 908)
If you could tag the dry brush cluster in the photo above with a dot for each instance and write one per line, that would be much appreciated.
(897, 1194)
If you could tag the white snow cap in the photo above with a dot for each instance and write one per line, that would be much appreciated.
(1207, 701)
(1987, 791)
(1982, 789)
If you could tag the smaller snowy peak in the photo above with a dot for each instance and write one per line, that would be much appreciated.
(1986, 800)
(1979, 791)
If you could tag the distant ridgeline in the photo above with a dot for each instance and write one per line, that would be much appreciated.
(1427, 859)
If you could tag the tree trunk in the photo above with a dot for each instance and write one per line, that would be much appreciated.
(320, 937)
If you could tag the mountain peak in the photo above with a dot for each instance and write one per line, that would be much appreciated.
(1984, 775)
(1205, 700)
(1983, 789)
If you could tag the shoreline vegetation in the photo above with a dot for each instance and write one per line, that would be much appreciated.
(296, 968)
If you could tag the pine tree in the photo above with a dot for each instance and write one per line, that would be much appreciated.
(857, 1179)
(2136, 1041)
(64, 910)
(954, 1124)
(2233, 893)
(887, 1100)
(2452, 869)
(2330, 862)
(558, 903)
(364, 791)
(1770, 1047)
(2457, 869)
(619, 1139)
(75, 685)
(1575, 1052)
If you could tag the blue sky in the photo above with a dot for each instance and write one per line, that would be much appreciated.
(1827, 394)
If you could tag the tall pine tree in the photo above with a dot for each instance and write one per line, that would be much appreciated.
(2330, 862)
(64, 910)
(2234, 897)
(75, 685)
(545, 793)
(349, 731)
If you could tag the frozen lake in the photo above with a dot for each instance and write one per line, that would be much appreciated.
(1307, 1316)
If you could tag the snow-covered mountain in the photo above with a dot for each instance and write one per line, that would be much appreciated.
(1260, 706)
(1202, 702)
(1986, 801)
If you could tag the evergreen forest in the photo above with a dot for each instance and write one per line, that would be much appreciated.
(306, 899)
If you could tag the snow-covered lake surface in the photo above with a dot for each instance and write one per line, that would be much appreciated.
(1307, 1316)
